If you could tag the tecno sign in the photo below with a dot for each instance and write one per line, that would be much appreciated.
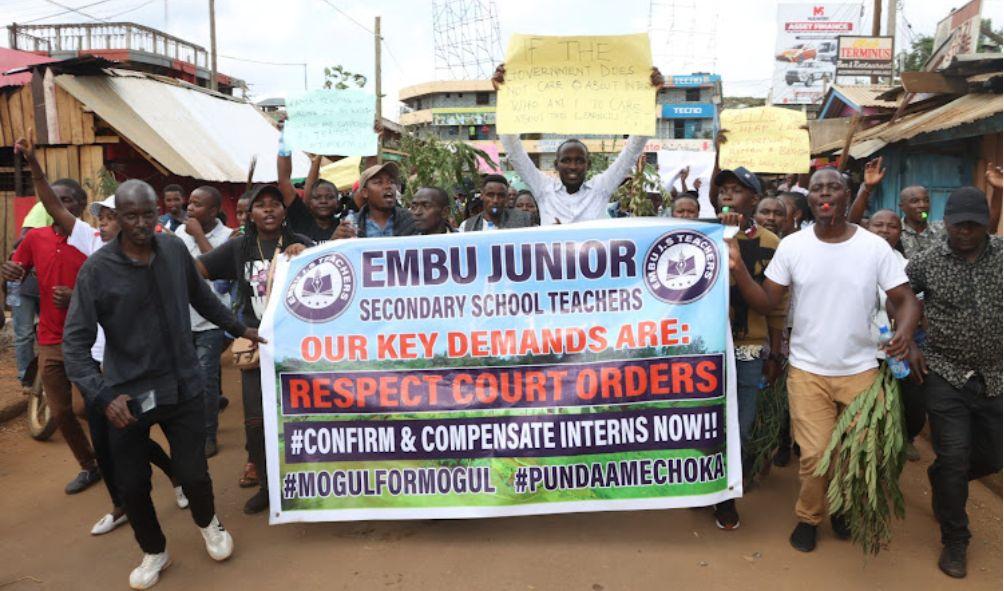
(688, 111)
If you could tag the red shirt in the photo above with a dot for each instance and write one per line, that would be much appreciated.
(56, 263)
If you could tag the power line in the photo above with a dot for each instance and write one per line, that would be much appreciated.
(118, 14)
(67, 11)
(348, 16)
(392, 57)
(262, 62)
(71, 9)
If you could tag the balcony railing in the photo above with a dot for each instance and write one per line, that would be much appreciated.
(103, 36)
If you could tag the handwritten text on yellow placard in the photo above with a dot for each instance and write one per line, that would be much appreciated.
(577, 85)
(765, 139)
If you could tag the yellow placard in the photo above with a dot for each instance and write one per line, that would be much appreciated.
(765, 139)
(342, 173)
(577, 85)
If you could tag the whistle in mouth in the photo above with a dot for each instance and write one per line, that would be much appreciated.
(923, 215)
(825, 207)
(726, 209)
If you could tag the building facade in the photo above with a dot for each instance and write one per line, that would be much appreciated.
(464, 110)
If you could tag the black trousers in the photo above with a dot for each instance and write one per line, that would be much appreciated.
(254, 423)
(99, 427)
(185, 427)
(911, 395)
(966, 436)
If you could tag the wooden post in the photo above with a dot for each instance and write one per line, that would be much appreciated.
(877, 25)
(890, 30)
(212, 44)
(844, 156)
(379, 85)
(12, 35)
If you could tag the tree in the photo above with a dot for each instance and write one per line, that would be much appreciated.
(431, 162)
(339, 78)
(920, 51)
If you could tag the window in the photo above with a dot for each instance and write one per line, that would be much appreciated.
(481, 98)
(418, 105)
(678, 129)
(693, 95)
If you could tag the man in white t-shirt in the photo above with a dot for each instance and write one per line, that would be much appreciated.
(201, 233)
(833, 270)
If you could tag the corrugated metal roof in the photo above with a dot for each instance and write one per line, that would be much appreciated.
(866, 96)
(965, 109)
(190, 132)
(12, 59)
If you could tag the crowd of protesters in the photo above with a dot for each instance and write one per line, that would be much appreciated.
(136, 313)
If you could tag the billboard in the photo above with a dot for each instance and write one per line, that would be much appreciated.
(961, 29)
(864, 56)
(805, 55)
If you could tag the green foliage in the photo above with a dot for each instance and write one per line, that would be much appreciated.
(431, 162)
(339, 78)
(101, 186)
(864, 459)
(632, 196)
(771, 407)
(920, 51)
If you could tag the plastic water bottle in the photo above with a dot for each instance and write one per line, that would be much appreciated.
(13, 293)
(900, 368)
(283, 150)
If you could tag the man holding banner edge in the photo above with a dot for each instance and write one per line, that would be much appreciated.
(555, 199)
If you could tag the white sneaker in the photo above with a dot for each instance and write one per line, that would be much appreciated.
(219, 543)
(179, 496)
(107, 524)
(147, 573)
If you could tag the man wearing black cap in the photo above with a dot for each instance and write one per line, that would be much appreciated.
(380, 215)
(961, 357)
(756, 337)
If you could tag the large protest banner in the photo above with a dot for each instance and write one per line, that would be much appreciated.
(577, 85)
(585, 367)
(765, 139)
(332, 122)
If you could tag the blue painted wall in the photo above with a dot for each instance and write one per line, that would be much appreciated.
(941, 162)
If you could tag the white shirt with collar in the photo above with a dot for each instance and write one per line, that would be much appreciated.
(217, 236)
(554, 202)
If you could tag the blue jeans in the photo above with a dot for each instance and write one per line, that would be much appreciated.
(748, 374)
(209, 345)
(24, 315)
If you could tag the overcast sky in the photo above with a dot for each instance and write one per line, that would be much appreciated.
(741, 41)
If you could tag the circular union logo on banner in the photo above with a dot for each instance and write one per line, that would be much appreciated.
(681, 266)
(322, 290)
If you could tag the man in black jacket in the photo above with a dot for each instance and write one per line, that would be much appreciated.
(138, 288)
(496, 216)
(380, 215)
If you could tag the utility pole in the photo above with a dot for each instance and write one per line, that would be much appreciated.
(379, 85)
(890, 30)
(212, 44)
(877, 25)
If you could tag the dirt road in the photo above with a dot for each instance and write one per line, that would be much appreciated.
(45, 544)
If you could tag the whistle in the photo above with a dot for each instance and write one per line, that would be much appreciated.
(726, 209)
(923, 215)
(825, 207)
